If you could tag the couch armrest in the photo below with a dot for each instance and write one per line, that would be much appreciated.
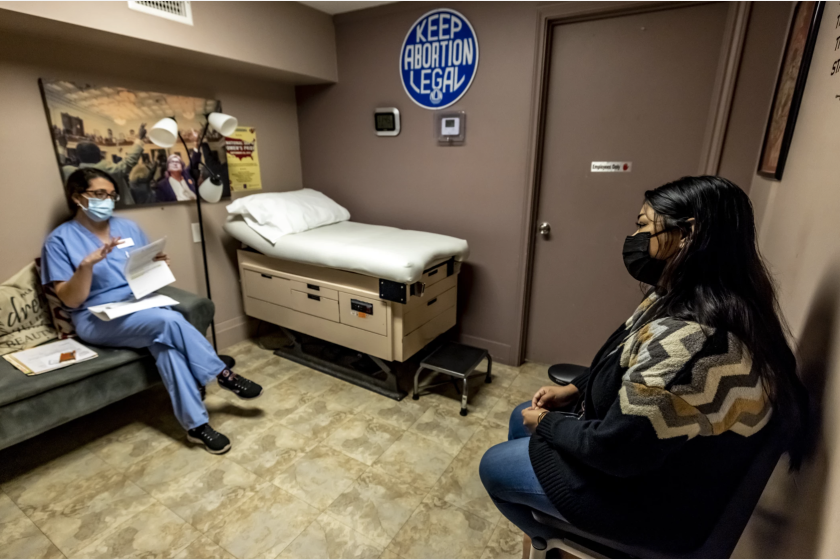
(197, 310)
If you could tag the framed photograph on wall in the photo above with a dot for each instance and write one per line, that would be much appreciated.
(105, 127)
(790, 86)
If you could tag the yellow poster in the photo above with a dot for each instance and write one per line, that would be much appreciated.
(243, 161)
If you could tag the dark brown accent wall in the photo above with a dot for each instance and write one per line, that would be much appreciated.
(476, 192)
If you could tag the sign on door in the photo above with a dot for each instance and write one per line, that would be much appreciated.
(612, 166)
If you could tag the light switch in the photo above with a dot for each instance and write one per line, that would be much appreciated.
(196, 229)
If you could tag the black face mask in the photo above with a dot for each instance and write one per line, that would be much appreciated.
(638, 261)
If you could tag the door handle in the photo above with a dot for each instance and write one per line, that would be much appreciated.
(545, 229)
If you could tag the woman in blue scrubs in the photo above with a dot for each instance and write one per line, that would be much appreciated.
(84, 259)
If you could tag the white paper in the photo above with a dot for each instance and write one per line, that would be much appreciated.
(109, 311)
(143, 273)
(48, 356)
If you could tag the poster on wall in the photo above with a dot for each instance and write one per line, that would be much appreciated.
(439, 59)
(106, 127)
(243, 160)
(790, 86)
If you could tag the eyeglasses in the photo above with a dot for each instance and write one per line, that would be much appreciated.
(102, 195)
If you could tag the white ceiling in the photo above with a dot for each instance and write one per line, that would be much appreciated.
(341, 7)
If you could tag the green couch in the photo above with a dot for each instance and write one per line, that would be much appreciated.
(32, 405)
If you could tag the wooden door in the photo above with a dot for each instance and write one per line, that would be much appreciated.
(637, 89)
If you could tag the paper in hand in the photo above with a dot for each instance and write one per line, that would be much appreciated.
(143, 273)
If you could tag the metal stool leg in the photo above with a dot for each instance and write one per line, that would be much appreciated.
(416, 394)
(489, 378)
(464, 398)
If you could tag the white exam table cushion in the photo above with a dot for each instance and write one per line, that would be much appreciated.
(383, 252)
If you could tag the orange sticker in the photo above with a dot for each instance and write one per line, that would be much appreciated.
(362, 315)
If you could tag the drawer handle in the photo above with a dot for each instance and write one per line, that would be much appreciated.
(314, 287)
(432, 302)
(316, 298)
(266, 276)
(435, 271)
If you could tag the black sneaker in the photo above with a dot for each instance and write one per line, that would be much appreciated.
(202, 390)
(213, 441)
(239, 386)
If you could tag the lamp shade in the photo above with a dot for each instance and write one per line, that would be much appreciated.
(211, 190)
(223, 124)
(164, 133)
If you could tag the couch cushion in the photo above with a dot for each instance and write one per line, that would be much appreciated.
(15, 385)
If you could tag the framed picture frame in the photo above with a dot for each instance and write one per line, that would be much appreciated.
(105, 127)
(790, 86)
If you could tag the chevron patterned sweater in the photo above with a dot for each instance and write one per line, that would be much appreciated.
(673, 413)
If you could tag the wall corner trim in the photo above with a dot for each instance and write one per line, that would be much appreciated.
(732, 49)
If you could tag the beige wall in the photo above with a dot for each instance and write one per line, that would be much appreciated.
(279, 38)
(476, 192)
(763, 47)
(800, 238)
(32, 199)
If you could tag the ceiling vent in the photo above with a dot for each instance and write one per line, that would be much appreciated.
(176, 11)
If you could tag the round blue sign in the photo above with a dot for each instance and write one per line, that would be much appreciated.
(439, 59)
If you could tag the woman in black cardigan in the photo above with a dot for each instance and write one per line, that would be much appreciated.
(671, 412)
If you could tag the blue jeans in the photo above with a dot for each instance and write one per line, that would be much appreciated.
(509, 478)
(184, 358)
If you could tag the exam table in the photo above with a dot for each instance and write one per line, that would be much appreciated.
(382, 291)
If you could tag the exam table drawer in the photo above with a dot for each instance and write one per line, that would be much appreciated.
(272, 289)
(434, 275)
(375, 322)
(433, 307)
(318, 306)
(314, 289)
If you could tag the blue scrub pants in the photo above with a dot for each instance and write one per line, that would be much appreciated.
(509, 478)
(184, 357)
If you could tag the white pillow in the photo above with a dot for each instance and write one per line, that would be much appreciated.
(274, 215)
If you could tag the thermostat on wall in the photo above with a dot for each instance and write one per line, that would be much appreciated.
(450, 127)
(386, 121)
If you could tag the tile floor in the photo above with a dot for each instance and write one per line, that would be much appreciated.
(319, 469)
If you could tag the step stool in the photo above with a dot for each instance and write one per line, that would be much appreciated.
(458, 361)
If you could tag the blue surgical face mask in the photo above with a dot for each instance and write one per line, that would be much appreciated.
(98, 210)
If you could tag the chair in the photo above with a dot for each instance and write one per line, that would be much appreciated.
(719, 544)
(563, 374)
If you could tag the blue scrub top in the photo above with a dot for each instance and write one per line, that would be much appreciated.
(71, 242)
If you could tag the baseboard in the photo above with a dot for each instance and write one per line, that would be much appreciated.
(232, 331)
(499, 351)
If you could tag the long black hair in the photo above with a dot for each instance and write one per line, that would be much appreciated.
(79, 181)
(718, 279)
